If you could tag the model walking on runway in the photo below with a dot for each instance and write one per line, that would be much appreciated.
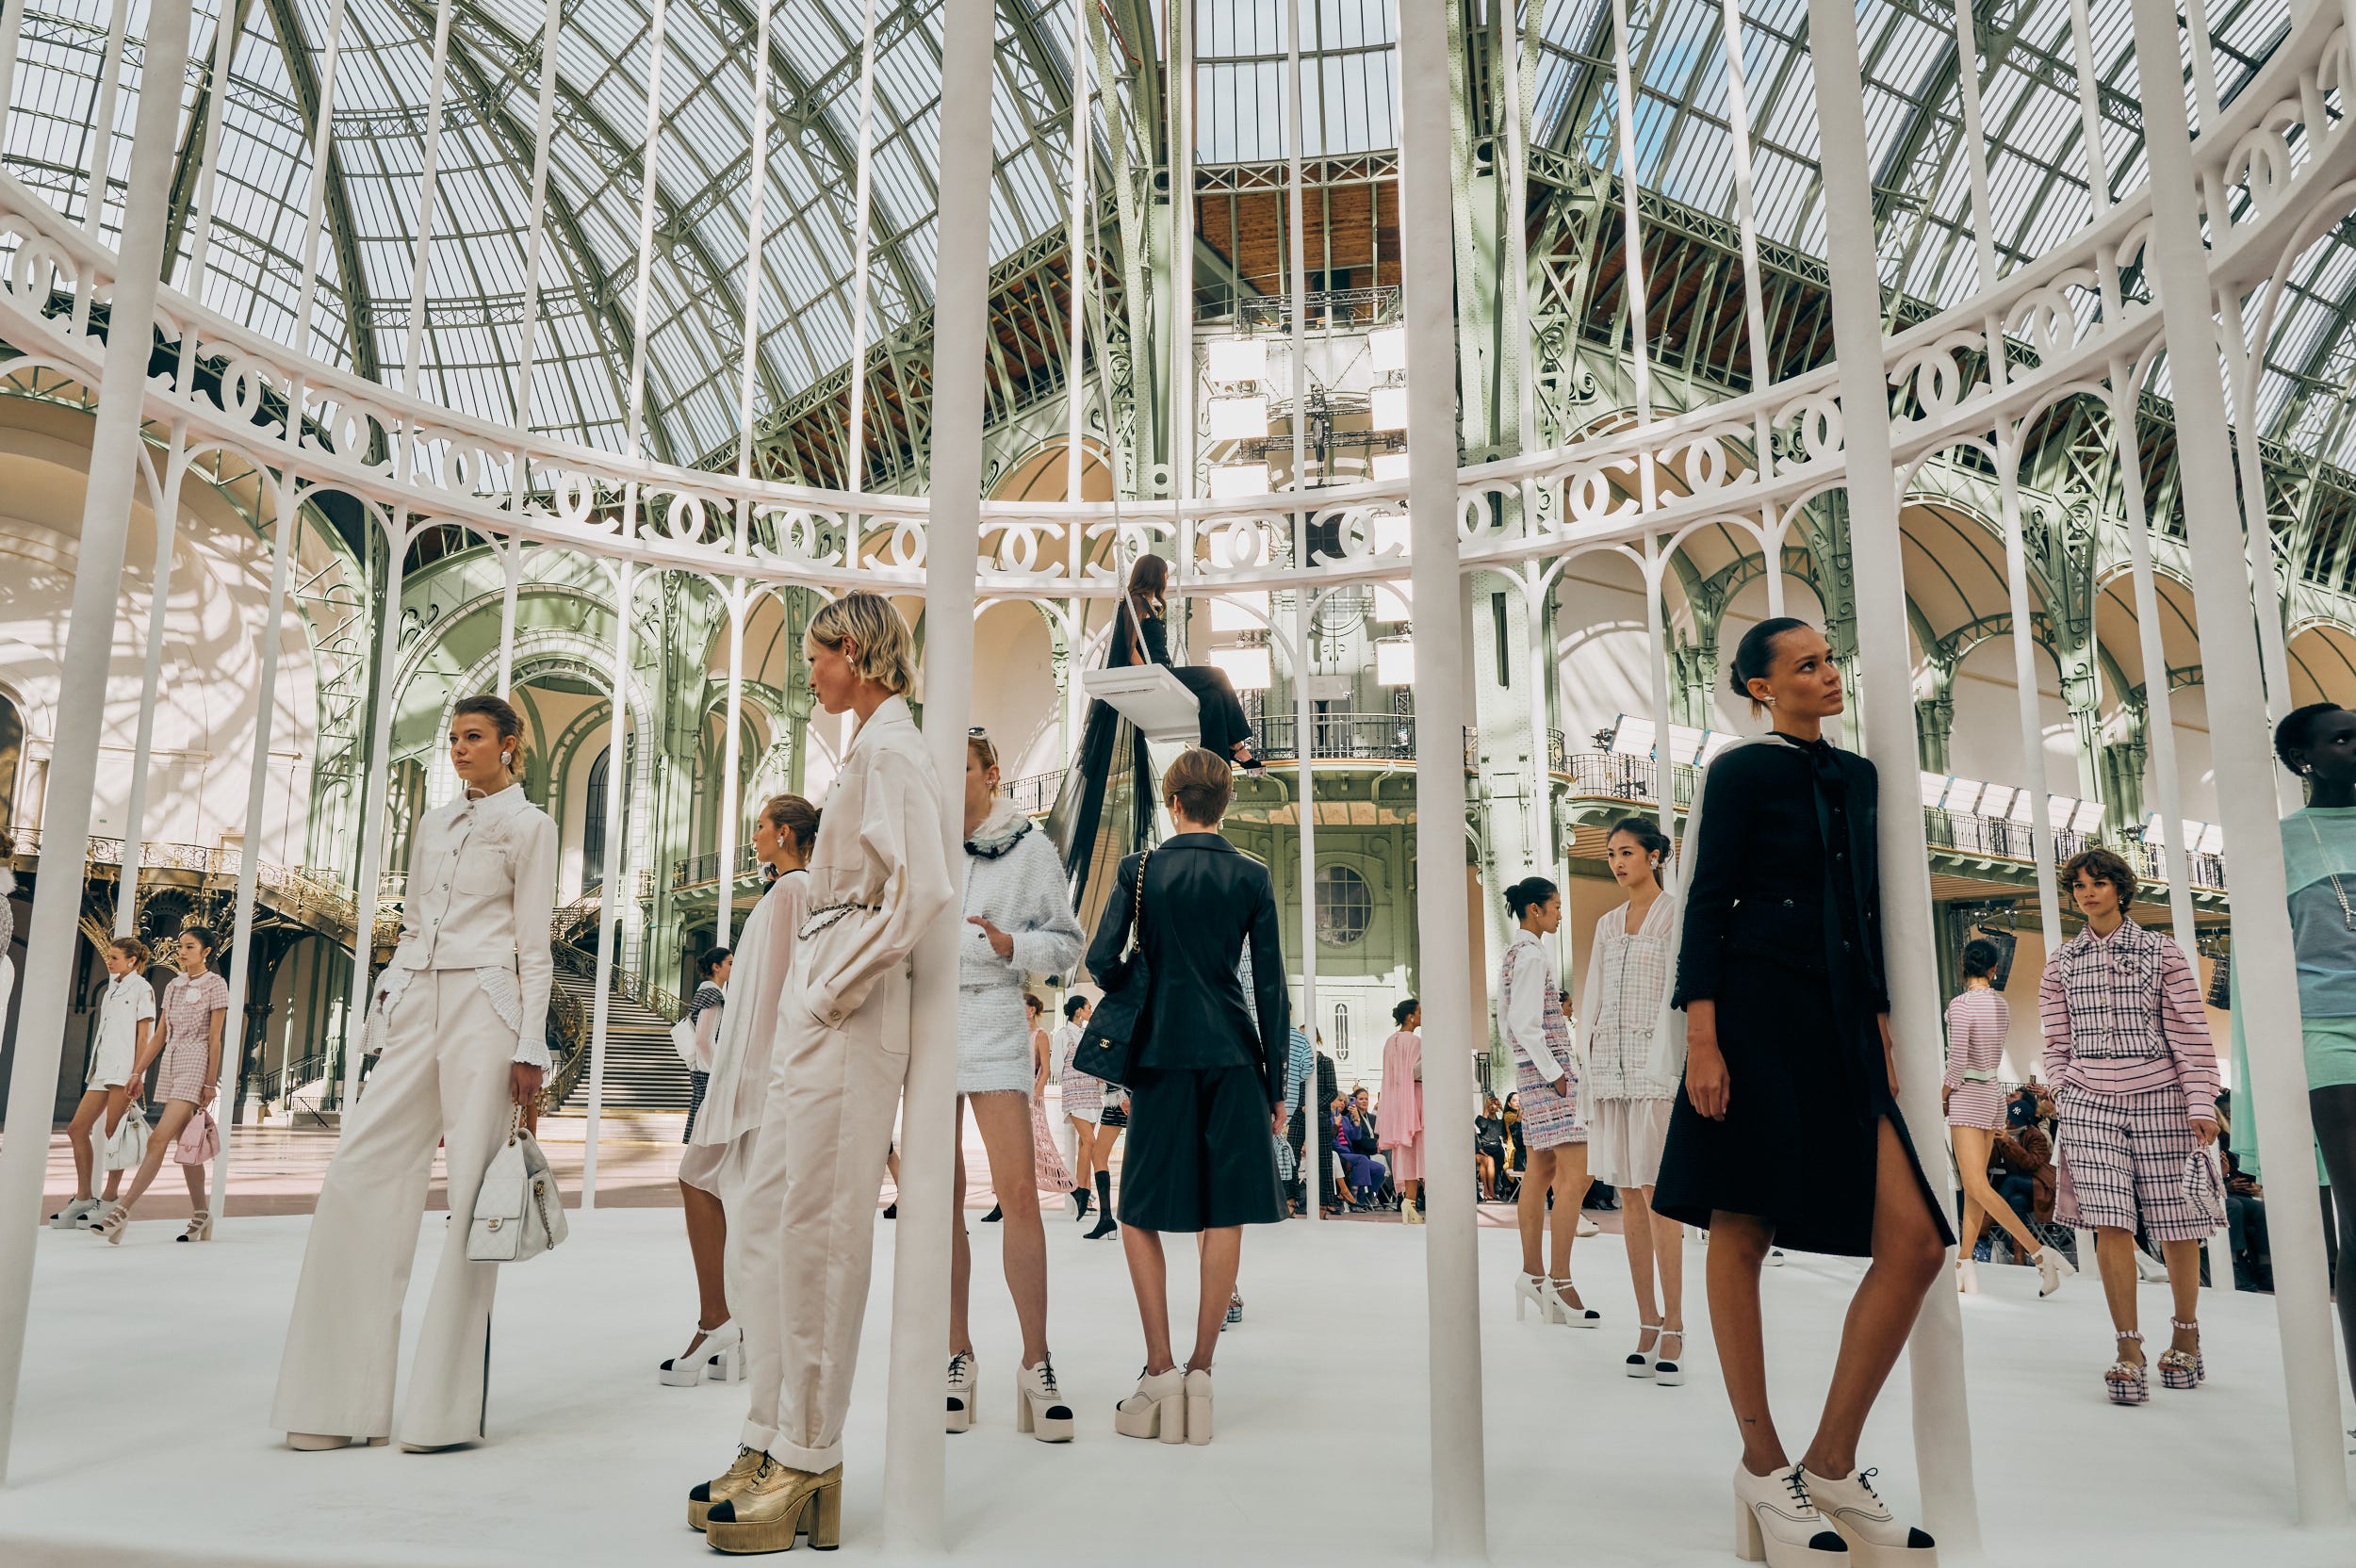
(461, 1015)
(2134, 1077)
(1789, 1132)
(1545, 1076)
(1400, 1120)
(1977, 1020)
(880, 877)
(1084, 1106)
(118, 1053)
(1634, 1053)
(194, 1021)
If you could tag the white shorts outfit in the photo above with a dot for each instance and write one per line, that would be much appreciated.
(114, 1051)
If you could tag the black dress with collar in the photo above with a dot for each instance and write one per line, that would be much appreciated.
(1783, 931)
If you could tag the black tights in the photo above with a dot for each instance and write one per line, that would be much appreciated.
(2334, 1108)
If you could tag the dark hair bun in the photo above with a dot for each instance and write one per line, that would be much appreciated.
(1404, 1011)
(1980, 957)
(1527, 893)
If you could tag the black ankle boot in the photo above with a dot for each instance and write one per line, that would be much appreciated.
(1080, 1196)
(1105, 1224)
(997, 1212)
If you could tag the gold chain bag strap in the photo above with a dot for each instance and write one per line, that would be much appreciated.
(1108, 1048)
(518, 1213)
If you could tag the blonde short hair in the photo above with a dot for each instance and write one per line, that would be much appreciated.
(887, 649)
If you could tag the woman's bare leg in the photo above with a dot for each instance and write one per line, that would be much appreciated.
(1149, 1276)
(1083, 1153)
(194, 1176)
(77, 1137)
(707, 1243)
(1907, 1256)
(1005, 1121)
(1979, 1197)
(960, 1250)
(1668, 1261)
(1221, 1252)
(1738, 1243)
(2183, 1289)
(160, 1142)
(1530, 1211)
(1636, 1231)
(1570, 1197)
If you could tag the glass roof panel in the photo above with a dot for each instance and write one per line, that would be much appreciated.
(471, 334)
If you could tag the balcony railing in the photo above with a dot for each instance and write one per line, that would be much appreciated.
(1596, 776)
(311, 895)
(701, 871)
(1364, 737)
(1035, 793)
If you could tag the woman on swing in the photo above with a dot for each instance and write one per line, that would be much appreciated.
(1143, 637)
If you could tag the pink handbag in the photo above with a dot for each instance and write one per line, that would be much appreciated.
(200, 1140)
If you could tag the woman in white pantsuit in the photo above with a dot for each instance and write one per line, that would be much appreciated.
(879, 878)
(460, 1014)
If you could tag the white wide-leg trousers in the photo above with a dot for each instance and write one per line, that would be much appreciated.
(443, 1078)
(806, 1244)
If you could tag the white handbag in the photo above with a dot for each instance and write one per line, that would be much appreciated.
(128, 1147)
(518, 1213)
(683, 1041)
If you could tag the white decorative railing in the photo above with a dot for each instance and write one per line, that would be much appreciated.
(2274, 172)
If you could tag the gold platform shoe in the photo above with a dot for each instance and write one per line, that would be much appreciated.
(734, 1479)
(773, 1507)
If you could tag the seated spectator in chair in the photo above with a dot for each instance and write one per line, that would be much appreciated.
(1489, 1147)
(2246, 1227)
(1360, 1171)
(2020, 1163)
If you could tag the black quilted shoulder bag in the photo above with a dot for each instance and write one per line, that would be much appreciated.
(1107, 1047)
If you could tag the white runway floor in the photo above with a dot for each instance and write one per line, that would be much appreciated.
(149, 1370)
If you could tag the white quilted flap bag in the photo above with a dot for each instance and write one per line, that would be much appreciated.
(518, 1213)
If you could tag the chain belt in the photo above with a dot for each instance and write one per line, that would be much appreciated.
(819, 919)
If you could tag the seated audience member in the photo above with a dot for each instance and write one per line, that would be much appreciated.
(1489, 1147)
(2246, 1227)
(1362, 1172)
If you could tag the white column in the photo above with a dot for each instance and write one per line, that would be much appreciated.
(249, 853)
(1942, 1433)
(2008, 452)
(82, 693)
(2265, 982)
(1460, 1528)
(372, 804)
(731, 758)
(429, 178)
(913, 1442)
(150, 677)
(511, 560)
(528, 340)
(1297, 321)
(610, 889)
(861, 225)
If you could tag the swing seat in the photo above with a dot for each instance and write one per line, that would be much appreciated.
(1149, 697)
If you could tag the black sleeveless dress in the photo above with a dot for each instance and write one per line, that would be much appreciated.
(1783, 931)
(1105, 809)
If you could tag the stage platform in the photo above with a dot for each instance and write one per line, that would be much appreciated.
(141, 1439)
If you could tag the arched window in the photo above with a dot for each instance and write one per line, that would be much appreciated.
(1341, 1031)
(593, 814)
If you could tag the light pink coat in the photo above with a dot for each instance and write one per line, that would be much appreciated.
(1398, 1120)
